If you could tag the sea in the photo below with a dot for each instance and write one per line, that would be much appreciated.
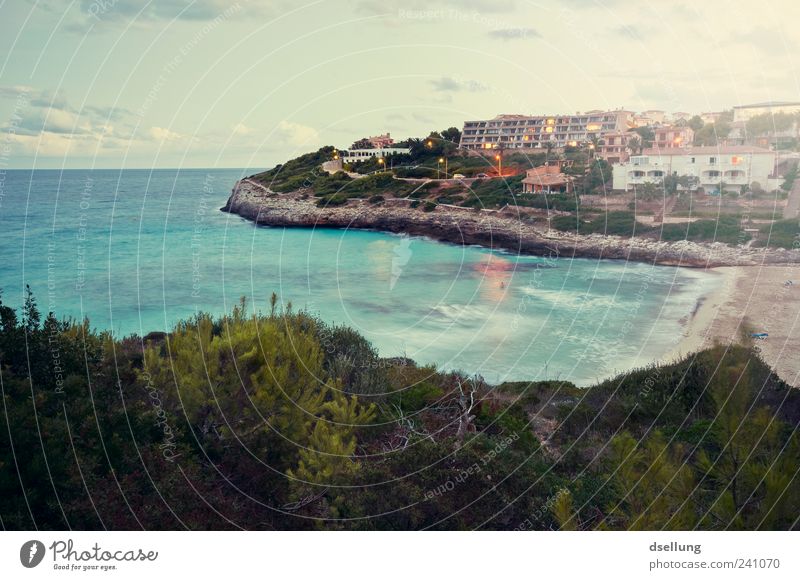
(136, 251)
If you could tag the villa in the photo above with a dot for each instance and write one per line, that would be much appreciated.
(547, 178)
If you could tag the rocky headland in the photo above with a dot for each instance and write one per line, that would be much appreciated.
(511, 229)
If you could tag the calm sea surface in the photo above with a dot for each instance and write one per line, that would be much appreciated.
(137, 250)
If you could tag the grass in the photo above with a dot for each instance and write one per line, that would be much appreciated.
(780, 234)
(726, 229)
(613, 223)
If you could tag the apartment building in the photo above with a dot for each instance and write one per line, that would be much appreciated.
(732, 167)
(534, 132)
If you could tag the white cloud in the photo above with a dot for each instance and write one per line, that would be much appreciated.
(296, 135)
(162, 134)
(241, 129)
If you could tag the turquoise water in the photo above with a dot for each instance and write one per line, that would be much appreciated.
(137, 250)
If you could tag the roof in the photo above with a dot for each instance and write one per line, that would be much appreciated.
(551, 179)
(709, 150)
(768, 104)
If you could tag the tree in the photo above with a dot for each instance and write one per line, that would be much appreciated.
(648, 191)
(598, 175)
(749, 466)
(452, 134)
(646, 136)
(549, 146)
(673, 182)
(363, 143)
(635, 145)
(653, 482)
(711, 133)
(696, 123)
(770, 123)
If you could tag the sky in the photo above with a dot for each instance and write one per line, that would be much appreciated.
(238, 83)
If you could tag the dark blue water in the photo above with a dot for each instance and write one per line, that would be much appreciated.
(137, 250)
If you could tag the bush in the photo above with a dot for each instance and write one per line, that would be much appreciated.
(429, 206)
(614, 223)
(726, 229)
(780, 234)
(376, 199)
(332, 200)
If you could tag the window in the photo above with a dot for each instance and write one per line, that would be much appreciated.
(692, 161)
(712, 160)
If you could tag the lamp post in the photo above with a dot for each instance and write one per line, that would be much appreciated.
(444, 160)
(382, 162)
(499, 159)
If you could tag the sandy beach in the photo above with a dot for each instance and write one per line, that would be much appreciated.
(751, 299)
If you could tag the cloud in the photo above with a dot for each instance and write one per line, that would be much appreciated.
(451, 85)
(514, 34)
(162, 134)
(94, 13)
(770, 41)
(435, 9)
(241, 129)
(295, 134)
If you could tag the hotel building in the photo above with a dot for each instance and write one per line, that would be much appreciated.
(534, 132)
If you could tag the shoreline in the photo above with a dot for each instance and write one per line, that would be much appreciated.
(507, 229)
(750, 299)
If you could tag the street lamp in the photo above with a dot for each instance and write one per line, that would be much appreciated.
(382, 162)
(444, 160)
(499, 159)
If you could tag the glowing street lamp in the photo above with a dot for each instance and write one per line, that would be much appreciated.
(382, 162)
(499, 159)
(444, 160)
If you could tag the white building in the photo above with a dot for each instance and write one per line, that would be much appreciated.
(353, 155)
(733, 166)
(747, 112)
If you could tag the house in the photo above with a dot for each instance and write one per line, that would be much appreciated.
(672, 136)
(548, 178)
(729, 167)
(377, 142)
(613, 147)
(354, 155)
(649, 118)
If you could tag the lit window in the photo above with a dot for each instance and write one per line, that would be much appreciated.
(736, 160)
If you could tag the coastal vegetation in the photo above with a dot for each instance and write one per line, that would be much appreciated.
(269, 418)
